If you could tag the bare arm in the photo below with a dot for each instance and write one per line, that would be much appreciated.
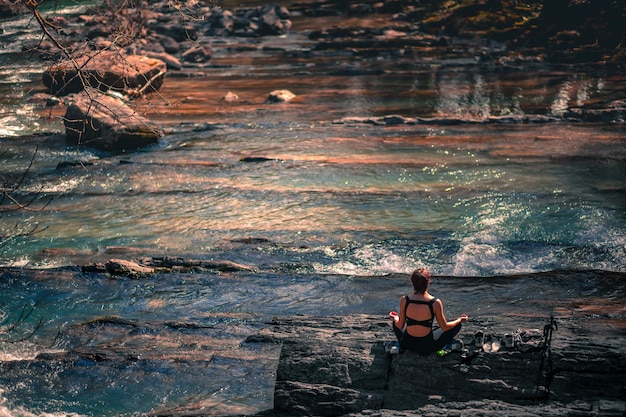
(400, 320)
(444, 324)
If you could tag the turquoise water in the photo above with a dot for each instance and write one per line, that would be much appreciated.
(468, 201)
(331, 221)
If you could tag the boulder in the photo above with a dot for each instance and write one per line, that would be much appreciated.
(273, 20)
(105, 71)
(169, 44)
(278, 96)
(230, 97)
(105, 122)
(176, 29)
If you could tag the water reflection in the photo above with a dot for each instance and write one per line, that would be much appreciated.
(473, 96)
(358, 96)
(574, 93)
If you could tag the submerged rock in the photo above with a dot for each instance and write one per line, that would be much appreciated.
(166, 264)
(256, 159)
(127, 268)
(170, 263)
(392, 120)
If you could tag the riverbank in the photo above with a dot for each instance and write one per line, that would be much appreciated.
(225, 360)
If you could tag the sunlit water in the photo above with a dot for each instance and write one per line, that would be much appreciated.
(466, 200)
(331, 220)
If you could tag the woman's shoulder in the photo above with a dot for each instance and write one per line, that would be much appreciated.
(432, 299)
(437, 304)
(420, 297)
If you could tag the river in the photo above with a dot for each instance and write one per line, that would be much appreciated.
(333, 215)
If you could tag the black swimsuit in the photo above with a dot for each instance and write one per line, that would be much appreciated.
(423, 345)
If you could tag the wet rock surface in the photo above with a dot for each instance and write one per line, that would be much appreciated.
(116, 351)
(167, 264)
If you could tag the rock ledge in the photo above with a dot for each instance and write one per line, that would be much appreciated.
(332, 366)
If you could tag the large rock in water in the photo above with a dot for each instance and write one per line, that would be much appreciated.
(105, 122)
(105, 71)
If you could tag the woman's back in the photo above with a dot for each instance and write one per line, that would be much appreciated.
(419, 314)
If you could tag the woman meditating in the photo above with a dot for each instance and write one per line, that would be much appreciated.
(414, 325)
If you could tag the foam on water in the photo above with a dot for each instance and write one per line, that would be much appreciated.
(22, 351)
(369, 260)
(9, 410)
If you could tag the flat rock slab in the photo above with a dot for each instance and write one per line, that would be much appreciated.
(100, 121)
(105, 71)
(147, 266)
(331, 366)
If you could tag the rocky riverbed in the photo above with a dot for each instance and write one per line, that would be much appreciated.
(329, 364)
(499, 36)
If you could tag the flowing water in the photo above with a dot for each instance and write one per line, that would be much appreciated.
(332, 214)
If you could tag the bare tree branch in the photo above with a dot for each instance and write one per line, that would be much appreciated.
(11, 200)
